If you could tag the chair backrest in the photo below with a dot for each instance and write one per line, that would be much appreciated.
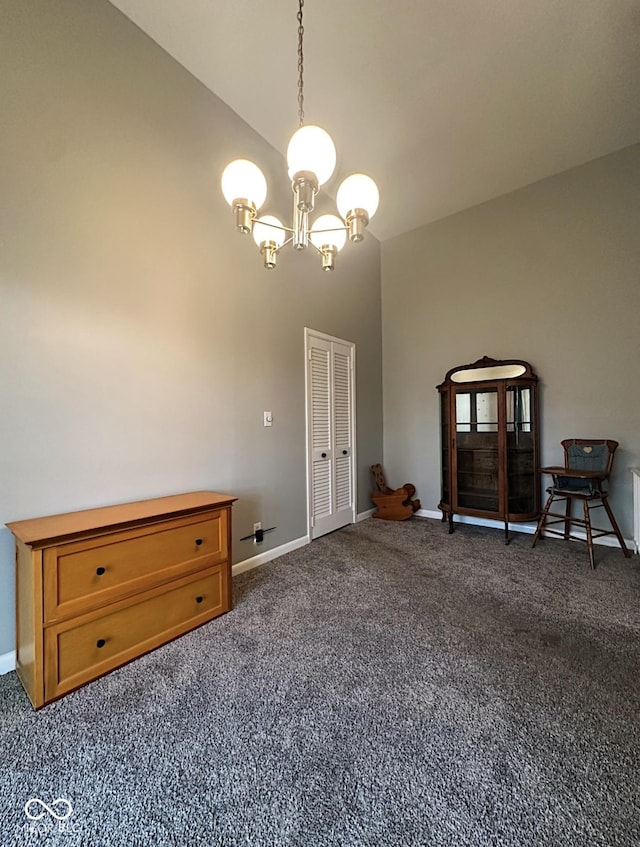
(379, 480)
(589, 454)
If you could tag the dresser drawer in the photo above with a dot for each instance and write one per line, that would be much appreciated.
(89, 573)
(82, 649)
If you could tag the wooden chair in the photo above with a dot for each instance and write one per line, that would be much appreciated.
(393, 505)
(587, 465)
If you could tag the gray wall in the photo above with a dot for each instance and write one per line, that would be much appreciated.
(549, 274)
(140, 338)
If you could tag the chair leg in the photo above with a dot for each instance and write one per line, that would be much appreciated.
(541, 520)
(567, 519)
(616, 528)
(587, 526)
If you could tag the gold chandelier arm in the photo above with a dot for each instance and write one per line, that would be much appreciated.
(317, 249)
(331, 229)
(275, 226)
(288, 241)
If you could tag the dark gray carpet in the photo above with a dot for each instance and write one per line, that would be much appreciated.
(386, 685)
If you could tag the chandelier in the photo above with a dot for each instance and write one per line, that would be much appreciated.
(311, 160)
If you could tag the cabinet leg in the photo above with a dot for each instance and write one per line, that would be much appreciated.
(450, 523)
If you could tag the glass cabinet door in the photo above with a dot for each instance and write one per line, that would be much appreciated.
(477, 449)
(521, 458)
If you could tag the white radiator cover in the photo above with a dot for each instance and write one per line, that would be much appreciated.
(636, 509)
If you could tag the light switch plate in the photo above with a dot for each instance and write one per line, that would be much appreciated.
(268, 419)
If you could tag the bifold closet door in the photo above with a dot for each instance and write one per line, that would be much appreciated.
(330, 397)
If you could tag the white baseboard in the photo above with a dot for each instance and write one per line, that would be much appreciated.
(362, 516)
(529, 528)
(7, 662)
(269, 555)
(428, 513)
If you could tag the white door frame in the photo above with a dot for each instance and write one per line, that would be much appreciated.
(308, 334)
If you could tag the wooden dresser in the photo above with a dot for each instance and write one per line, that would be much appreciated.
(98, 588)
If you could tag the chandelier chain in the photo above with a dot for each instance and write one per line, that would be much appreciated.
(300, 64)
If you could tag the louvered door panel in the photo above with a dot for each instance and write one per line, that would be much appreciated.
(320, 399)
(342, 426)
(321, 468)
(342, 398)
(344, 489)
(321, 490)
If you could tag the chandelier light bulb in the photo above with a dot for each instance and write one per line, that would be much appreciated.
(336, 236)
(242, 180)
(311, 149)
(358, 191)
(262, 232)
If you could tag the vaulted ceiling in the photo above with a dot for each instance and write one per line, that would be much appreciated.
(446, 103)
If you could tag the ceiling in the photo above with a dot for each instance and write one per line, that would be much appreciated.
(446, 103)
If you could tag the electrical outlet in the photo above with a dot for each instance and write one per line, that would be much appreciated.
(257, 526)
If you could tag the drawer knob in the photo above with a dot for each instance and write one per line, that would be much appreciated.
(199, 599)
(100, 642)
(324, 455)
(198, 541)
(100, 571)
(344, 452)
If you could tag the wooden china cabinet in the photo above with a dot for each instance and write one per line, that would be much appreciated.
(490, 442)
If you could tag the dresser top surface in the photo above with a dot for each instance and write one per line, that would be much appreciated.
(40, 531)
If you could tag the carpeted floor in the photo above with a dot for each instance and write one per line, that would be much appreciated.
(386, 685)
